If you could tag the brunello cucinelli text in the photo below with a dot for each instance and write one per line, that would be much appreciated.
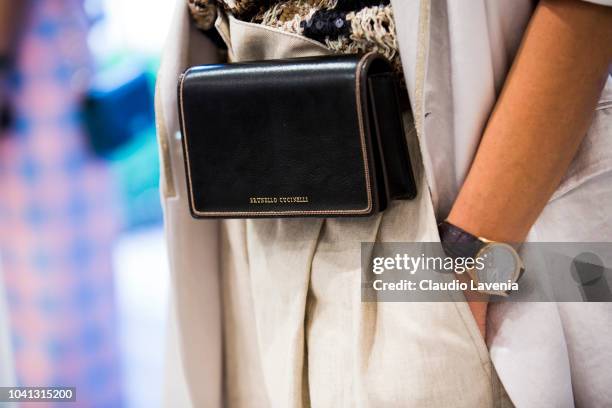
(279, 199)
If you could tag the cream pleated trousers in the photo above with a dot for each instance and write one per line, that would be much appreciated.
(296, 333)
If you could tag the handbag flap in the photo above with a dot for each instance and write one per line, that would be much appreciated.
(279, 138)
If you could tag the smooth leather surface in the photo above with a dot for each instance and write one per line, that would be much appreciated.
(387, 122)
(458, 242)
(299, 137)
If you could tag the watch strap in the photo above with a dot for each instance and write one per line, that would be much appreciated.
(457, 242)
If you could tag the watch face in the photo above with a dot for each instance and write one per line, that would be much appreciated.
(500, 262)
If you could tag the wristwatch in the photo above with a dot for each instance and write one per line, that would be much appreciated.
(497, 266)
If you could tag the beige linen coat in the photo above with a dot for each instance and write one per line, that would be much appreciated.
(539, 350)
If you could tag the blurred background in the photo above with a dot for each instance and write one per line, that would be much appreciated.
(84, 279)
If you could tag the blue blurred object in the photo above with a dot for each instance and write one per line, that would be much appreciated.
(135, 168)
(119, 117)
(118, 106)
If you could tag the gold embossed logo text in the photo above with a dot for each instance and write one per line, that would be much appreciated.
(279, 199)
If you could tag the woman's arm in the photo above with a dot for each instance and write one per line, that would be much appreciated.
(540, 118)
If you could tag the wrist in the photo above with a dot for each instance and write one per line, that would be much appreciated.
(480, 222)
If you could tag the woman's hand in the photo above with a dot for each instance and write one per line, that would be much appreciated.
(479, 311)
(539, 121)
(478, 305)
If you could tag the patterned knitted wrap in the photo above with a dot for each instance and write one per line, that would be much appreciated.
(344, 26)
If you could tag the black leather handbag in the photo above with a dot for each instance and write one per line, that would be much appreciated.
(304, 137)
